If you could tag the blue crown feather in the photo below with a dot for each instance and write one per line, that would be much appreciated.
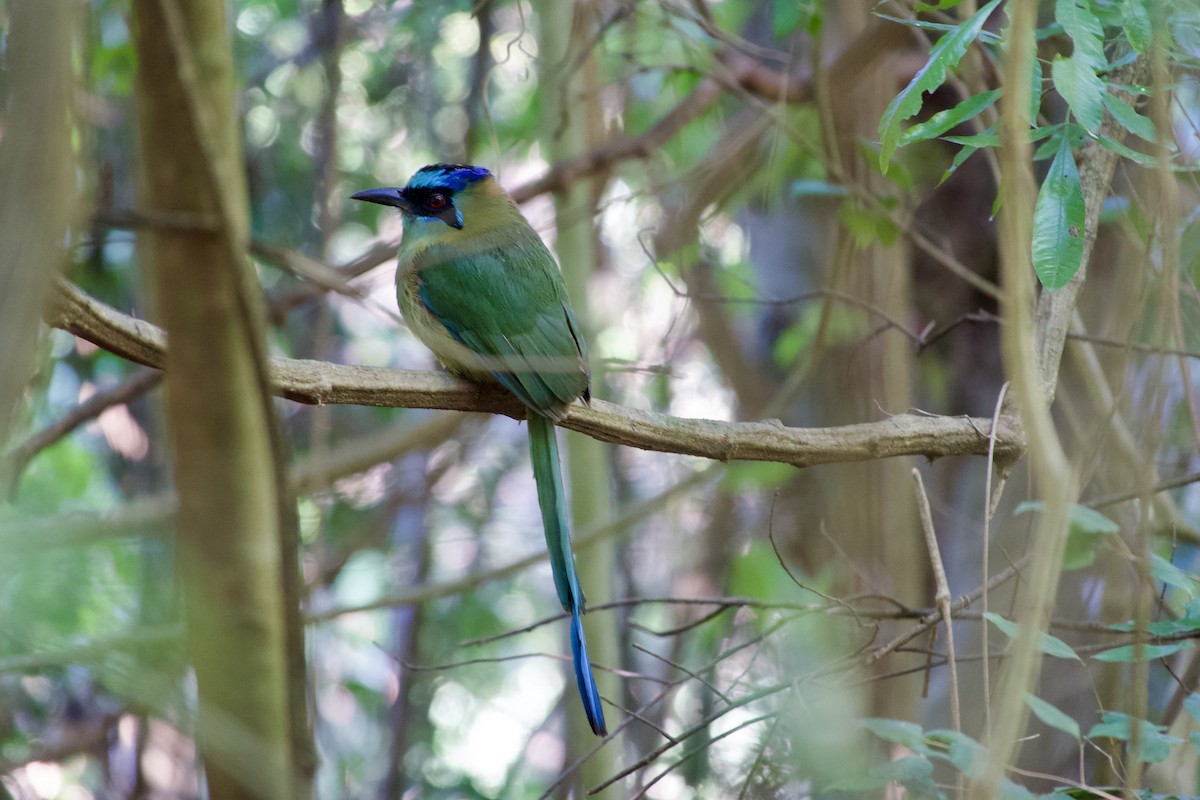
(454, 177)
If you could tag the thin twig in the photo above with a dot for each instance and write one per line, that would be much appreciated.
(942, 595)
(989, 507)
(137, 384)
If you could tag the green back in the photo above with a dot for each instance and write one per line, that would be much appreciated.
(509, 305)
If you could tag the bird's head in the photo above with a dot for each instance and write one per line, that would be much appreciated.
(439, 193)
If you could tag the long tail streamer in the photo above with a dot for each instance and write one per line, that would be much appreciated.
(547, 471)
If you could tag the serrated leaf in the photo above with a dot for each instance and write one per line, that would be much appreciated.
(1052, 715)
(1086, 32)
(1058, 221)
(1128, 653)
(1130, 119)
(943, 121)
(1081, 87)
(1137, 24)
(944, 56)
(1050, 645)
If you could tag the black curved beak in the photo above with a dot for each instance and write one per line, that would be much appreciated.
(388, 196)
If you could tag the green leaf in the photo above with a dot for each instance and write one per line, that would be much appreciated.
(1087, 527)
(743, 475)
(899, 731)
(960, 157)
(1130, 119)
(1058, 220)
(757, 574)
(1081, 87)
(789, 14)
(986, 139)
(1086, 32)
(1122, 150)
(987, 37)
(1010, 790)
(944, 56)
(1156, 744)
(903, 770)
(970, 144)
(1052, 715)
(1035, 90)
(914, 773)
(941, 5)
(818, 188)
(867, 225)
(943, 121)
(967, 755)
(1128, 653)
(1089, 520)
(1171, 575)
(1050, 645)
(858, 784)
(1163, 627)
(1192, 705)
(1137, 24)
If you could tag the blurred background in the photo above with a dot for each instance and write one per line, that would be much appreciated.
(707, 171)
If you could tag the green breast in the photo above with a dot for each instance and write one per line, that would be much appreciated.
(502, 311)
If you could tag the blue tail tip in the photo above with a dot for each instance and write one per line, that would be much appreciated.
(584, 678)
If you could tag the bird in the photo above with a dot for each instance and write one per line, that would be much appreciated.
(477, 285)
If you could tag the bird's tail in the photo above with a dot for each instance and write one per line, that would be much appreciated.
(547, 472)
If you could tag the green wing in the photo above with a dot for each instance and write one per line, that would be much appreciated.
(509, 305)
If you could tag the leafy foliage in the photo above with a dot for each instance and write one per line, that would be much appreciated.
(761, 618)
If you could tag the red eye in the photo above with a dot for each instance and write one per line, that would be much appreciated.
(437, 201)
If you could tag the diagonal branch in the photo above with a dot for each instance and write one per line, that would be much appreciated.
(315, 382)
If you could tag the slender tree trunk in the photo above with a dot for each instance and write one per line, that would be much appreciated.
(565, 84)
(870, 507)
(37, 196)
(236, 529)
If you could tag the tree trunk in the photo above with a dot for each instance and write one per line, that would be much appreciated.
(566, 132)
(236, 530)
(36, 195)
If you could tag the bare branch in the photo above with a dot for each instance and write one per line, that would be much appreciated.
(323, 382)
(132, 387)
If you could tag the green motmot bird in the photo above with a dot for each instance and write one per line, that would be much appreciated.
(477, 285)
